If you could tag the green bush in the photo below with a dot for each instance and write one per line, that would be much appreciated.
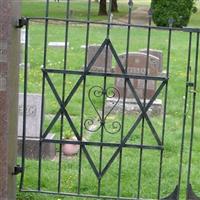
(179, 10)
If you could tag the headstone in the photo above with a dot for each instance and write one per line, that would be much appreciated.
(156, 53)
(101, 61)
(57, 44)
(33, 120)
(137, 66)
(33, 112)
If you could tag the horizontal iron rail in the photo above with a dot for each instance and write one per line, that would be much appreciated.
(108, 74)
(184, 29)
(82, 195)
(105, 144)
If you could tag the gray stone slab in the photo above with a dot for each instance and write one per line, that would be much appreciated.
(33, 115)
(157, 53)
(32, 148)
(101, 61)
(137, 65)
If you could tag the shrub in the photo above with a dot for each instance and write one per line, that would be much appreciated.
(179, 10)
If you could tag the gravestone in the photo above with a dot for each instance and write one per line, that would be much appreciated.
(33, 120)
(156, 53)
(137, 66)
(100, 63)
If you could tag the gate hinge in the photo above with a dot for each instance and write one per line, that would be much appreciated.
(21, 22)
(17, 169)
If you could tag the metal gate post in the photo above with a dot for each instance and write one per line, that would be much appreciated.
(9, 62)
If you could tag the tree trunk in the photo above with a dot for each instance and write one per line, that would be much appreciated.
(102, 8)
(114, 7)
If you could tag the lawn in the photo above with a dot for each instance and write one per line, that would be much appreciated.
(131, 179)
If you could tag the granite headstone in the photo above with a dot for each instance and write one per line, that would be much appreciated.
(137, 65)
(156, 53)
(101, 60)
(33, 120)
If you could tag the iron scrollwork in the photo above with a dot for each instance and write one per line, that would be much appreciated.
(92, 125)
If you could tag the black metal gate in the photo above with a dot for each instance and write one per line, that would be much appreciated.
(121, 144)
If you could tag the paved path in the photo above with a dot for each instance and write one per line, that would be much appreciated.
(139, 16)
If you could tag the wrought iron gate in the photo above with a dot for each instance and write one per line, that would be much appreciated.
(122, 150)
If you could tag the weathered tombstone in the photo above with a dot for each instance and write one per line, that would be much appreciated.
(137, 66)
(33, 119)
(101, 61)
(156, 53)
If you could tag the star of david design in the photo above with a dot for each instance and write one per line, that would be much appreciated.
(62, 109)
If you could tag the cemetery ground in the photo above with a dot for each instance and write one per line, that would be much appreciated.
(130, 157)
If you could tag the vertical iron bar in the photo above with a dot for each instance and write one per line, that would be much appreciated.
(193, 110)
(130, 3)
(63, 93)
(185, 112)
(43, 91)
(165, 107)
(104, 98)
(144, 104)
(83, 94)
(25, 104)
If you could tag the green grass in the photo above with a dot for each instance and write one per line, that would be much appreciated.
(130, 164)
(58, 10)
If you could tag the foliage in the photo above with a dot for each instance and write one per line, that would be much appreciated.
(179, 10)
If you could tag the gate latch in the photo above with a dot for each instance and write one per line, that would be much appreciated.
(17, 169)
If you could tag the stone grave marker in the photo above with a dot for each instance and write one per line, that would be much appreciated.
(100, 62)
(156, 53)
(33, 119)
(137, 66)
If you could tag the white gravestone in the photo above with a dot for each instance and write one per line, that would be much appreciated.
(32, 137)
(33, 115)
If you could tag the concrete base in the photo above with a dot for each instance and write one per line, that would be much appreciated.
(132, 106)
(32, 148)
